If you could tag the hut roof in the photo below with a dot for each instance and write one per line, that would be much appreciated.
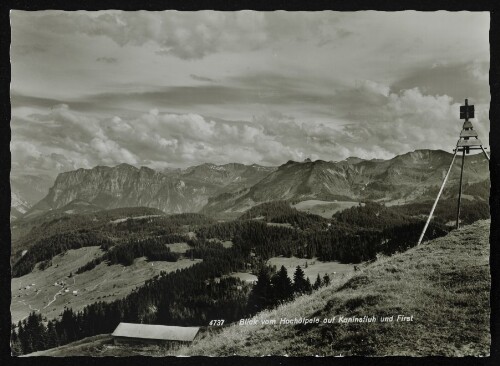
(152, 331)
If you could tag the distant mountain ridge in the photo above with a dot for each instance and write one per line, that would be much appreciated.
(234, 187)
(27, 190)
(405, 177)
(127, 186)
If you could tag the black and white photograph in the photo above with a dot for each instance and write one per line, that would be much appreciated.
(250, 183)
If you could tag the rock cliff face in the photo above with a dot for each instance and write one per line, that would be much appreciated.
(128, 186)
(236, 187)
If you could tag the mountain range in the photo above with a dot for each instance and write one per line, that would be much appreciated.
(216, 189)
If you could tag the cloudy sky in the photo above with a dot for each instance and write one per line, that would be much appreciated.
(174, 89)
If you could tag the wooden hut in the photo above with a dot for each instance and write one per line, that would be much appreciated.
(166, 335)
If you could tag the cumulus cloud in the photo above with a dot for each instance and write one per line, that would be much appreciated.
(153, 139)
(29, 157)
(458, 80)
(372, 87)
(397, 123)
(408, 120)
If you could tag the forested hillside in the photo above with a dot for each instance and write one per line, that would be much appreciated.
(112, 228)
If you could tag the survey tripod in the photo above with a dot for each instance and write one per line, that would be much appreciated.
(468, 141)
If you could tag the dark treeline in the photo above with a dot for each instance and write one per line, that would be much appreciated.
(41, 227)
(226, 230)
(153, 248)
(153, 251)
(158, 225)
(275, 287)
(46, 249)
(372, 215)
(61, 234)
(403, 237)
(446, 210)
(376, 215)
(121, 223)
(346, 240)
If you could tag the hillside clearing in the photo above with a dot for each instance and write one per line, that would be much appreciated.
(244, 276)
(180, 248)
(103, 283)
(443, 285)
(323, 208)
(311, 267)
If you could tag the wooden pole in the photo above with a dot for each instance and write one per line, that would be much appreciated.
(437, 198)
(485, 153)
(460, 189)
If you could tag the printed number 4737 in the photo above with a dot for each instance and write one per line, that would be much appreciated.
(217, 322)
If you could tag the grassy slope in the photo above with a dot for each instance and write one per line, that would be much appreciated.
(323, 208)
(86, 347)
(444, 284)
(103, 283)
